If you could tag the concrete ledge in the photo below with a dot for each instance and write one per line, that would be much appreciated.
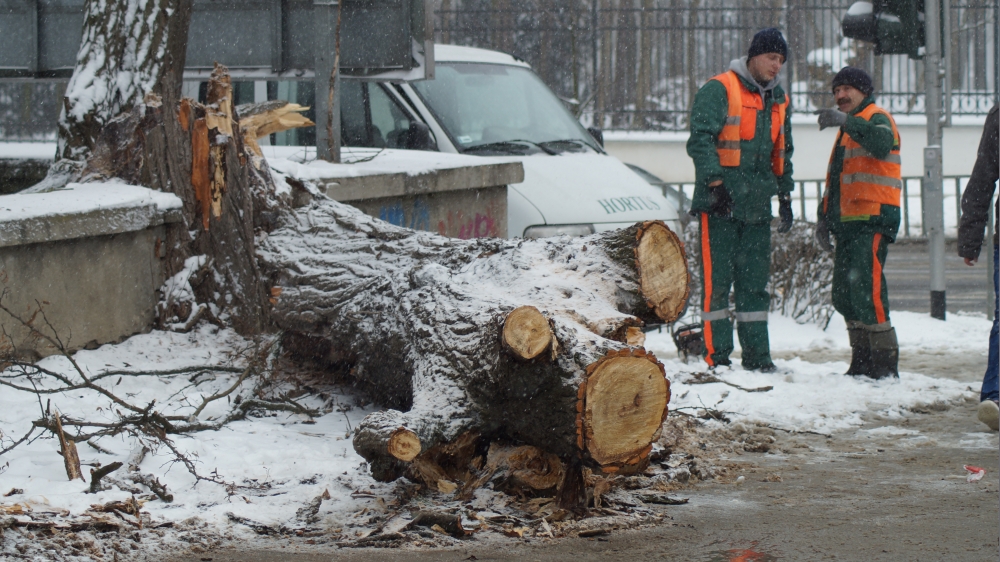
(378, 186)
(89, 255)
(83, 211)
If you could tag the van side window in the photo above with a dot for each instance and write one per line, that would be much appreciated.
(369, 117)
(354, 130)
(388, 119)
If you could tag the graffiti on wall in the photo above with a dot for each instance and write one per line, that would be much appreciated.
(457, 218)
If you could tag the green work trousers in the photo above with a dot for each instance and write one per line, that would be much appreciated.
(735, 255)
(859, 290)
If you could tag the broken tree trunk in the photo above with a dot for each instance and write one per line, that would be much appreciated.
(416, 318)
(525, 338)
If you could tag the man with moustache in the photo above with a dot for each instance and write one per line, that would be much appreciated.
(741, 144)
(861, 208)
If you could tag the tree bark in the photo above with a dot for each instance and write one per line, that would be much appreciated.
(129, 48)
(419, 321)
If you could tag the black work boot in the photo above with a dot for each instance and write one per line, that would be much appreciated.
(885, 354)
(861, 351)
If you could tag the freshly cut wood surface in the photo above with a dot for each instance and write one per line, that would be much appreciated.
(663, 274)
(625, 404)
(404, 444)
(526, 333)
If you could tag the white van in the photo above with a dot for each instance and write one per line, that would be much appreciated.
(488, 103)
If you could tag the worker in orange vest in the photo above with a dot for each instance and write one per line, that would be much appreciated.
(741, 144)
(861, 208)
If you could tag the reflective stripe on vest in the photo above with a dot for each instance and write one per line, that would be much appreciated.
(741, 123)
(866, 182)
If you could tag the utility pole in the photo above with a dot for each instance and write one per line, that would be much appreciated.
(932, 190)
(327, 14)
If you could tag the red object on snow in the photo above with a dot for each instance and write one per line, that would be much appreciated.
(975, 473)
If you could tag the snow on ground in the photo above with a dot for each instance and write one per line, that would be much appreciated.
(280, 462)
(283, 461)
(817, 396)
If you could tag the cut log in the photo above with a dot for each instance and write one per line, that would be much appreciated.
(623, 408)
(526, 333)
(660, 259)
(422, 323)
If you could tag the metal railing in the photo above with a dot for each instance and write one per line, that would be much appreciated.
(636, 64)
(809, 193)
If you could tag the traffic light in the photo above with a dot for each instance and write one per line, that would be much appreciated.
(896, 27)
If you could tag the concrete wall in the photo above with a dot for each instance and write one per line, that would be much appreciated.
(94, 290)
(460, 202)
(90, 256)
(471, 213)
(664, 154)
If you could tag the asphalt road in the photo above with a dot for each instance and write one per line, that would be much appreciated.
(907, 272)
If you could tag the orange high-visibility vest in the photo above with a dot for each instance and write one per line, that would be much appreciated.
(741, 123)
(866, 182)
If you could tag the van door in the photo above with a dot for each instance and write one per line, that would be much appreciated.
(371, 117)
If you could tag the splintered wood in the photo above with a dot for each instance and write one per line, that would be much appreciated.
(662, 266)
(261, 119)
(622, 407)
(526, 333)
(68, 449)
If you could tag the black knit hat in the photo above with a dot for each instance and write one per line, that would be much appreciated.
(856, 78)
(768, 40)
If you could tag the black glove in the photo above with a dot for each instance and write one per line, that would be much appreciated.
(823, 235)
(785, 212)
(830, 118)
(720, 203)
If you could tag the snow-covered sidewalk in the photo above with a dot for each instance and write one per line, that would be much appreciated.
(817, 396)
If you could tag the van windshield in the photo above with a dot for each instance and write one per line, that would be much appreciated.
(503, 109)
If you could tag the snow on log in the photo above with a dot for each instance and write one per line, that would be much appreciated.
(421, 323)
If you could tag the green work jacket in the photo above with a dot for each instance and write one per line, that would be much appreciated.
(876, 137)
(751, 185)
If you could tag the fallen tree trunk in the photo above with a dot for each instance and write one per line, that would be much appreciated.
(530, 340)
(520, 338)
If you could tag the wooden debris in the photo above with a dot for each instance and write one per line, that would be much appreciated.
(449, 523)
(96, 474)
(661, 499)
(71, 459)
(261, 119)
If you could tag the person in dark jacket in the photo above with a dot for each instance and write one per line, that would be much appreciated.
(861, 209)
(975, 213)
(741, 144)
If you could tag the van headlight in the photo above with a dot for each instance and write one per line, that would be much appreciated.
(547, 231)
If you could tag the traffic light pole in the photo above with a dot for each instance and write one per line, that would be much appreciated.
(932, 190)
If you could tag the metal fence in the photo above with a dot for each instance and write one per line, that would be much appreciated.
(636, 64)
(808, 194)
